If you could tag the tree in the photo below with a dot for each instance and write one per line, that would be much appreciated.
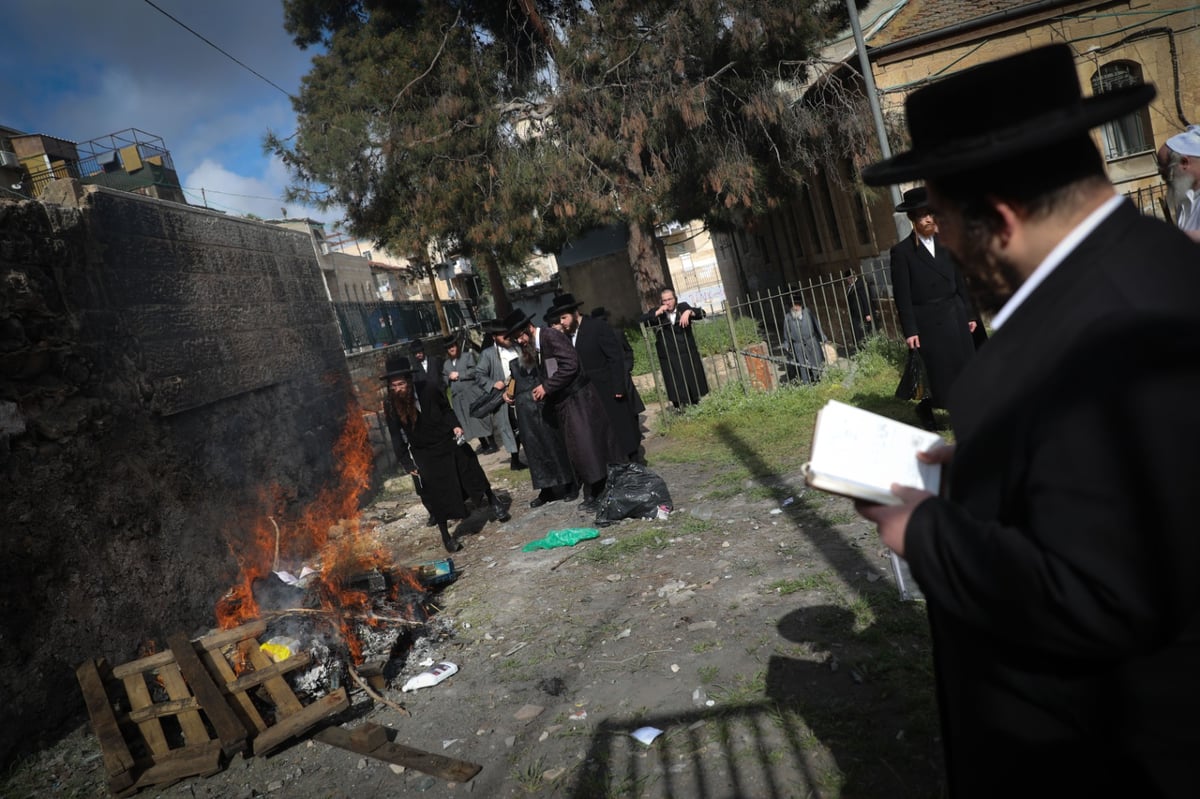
(492, 127)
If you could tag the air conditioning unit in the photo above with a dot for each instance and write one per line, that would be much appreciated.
(9, 160)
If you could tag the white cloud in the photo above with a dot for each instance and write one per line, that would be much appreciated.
(236, 194)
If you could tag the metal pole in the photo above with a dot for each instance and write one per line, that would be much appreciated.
(864, 62)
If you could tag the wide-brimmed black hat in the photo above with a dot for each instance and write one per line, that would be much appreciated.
(396, 366)
(599, 312)
(998, 111)
(914, 199)
(517, 321)
(551, 317)
(416, 346)
(504, 326)
(564, 303)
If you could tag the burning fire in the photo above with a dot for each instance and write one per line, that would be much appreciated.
(326, 532)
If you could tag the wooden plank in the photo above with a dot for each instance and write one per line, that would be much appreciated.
(139, 699)
(298, 723)
(194, 731)
(233, 636)
(260, 676)
(285, 701)
(190, 761)
(118, 762)
(243, 705)
(446, 768)
(143, 665)
(229, 728)
(368, 737)
(161, 709)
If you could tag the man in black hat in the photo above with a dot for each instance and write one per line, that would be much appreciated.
(682, 369)
(576, 404)
(603, 360)
(1059, 567)
(427, 367)
(492, 374)
(428, 441)
(931, 300)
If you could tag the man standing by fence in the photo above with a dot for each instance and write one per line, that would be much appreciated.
(682, 369)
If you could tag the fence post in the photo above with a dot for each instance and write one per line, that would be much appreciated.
(659, 391)
(737, 355)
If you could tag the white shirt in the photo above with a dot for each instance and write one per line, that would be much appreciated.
(1189, 212)
(928, 244)
(506, 355)
(1055, 257)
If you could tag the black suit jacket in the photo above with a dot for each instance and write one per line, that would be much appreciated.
(1061, 573)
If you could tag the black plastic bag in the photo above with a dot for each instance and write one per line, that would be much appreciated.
(632, 492)
(914, 383)
(486, 404)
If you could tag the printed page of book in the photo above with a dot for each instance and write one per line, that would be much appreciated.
(861, 447)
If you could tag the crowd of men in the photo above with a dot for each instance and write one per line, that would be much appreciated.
(564, 392)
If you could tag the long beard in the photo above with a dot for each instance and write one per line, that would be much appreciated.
(528, 355)
(1177, 190)
(571, 327)
(405, 408)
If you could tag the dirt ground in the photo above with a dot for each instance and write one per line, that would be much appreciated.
(730, 627)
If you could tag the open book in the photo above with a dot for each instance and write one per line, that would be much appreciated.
(859, 454)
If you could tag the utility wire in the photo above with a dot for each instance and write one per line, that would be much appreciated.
(217, 48)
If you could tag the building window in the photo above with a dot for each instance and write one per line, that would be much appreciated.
(1130, 134)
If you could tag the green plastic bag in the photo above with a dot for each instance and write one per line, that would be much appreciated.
(562, 538)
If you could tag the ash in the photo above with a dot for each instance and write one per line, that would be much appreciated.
(428, 643)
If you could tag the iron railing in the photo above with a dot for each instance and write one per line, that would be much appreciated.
(366, 325)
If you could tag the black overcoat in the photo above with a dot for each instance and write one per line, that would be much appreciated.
(1061, 574)
(447, 471)
(931, 300)
(586, 429)
(682, 369)
(545, 447)
(603, 360)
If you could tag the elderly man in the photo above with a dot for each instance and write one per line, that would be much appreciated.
(1179, 166)
(575, 403)
(1059, 567)
(931, 300)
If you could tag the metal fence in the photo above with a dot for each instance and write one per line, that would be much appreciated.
(366, 325)
(759, 343)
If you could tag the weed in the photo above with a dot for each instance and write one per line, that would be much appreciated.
(708, 674)
(653, 539)
(704, 646)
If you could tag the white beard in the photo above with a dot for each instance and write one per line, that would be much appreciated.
(797, 313)
(1177, 189)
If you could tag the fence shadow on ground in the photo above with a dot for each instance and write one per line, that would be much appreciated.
(804, 727)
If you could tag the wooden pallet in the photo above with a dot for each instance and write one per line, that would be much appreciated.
(180, 712)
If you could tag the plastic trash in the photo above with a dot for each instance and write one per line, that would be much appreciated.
(562, 538)
(280, 647)
(432, 677)
(632, 492)
(646, 735)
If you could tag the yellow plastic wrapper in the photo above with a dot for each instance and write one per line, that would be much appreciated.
(281, 647)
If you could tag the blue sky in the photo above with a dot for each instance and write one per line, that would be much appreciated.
(82, 69)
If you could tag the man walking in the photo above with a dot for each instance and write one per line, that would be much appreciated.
(931, 300)
(1059, 568)
(427, 439)
(863, 306)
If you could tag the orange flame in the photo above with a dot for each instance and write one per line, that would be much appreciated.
(327, 529)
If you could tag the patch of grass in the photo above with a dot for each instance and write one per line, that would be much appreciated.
(529, 779)
(704, 646)
(708, 674)
(744, 690)
(820, 581)
(651, 540)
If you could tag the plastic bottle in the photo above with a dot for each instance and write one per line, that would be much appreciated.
(432, 677)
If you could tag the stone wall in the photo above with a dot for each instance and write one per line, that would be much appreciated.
(160, 365)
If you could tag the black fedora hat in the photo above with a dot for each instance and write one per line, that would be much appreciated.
(599, 312)
(504, 326)
(564, 303)
(396, 366)
(913, 200)
(517, 321)
(998, 111)
(551, 317)
(452, 340)
(416, 346)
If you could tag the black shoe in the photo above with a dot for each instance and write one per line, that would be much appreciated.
(502, 514)
(430, 522)
(590, 505)
(925, 415)
(515, 463)
(450, 544)
(541, 499)
(572, 494)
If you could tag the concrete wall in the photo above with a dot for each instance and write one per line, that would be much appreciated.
(159, 366)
